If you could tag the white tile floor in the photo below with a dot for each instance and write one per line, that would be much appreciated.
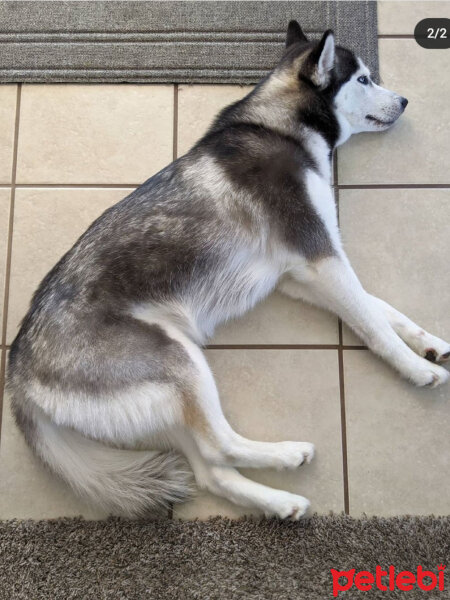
(285, 370)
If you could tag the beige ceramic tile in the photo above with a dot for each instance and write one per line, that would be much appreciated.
(47, 222)
(275, 395)
(417, 147)
(8, 95)
(398, 242)
(197, 107)
(4, 221)
(94, 133)
(280, 320)
(27, 489)
(398, 442)
(401, 16)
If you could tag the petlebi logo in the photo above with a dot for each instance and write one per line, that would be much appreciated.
(389, 580)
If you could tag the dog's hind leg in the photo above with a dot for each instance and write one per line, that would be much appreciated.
(423, 343)
(332, 284)
(229, 483)
(218, 443)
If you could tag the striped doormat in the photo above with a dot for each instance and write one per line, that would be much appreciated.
(171, 41)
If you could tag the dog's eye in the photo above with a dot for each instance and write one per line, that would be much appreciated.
(363, 79)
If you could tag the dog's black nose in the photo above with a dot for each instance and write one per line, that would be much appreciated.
(403, 102)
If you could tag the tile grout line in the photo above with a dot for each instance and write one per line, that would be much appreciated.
(271, 347)
(340, 351)
(391, 186)
(342, 186)
(9, 250)
(343, 423)
(174, 157)
(264, 347)
(175, 121)
(87, 186)
(281, 347)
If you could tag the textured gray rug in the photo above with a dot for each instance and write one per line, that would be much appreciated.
(219, 559)
(190, 41)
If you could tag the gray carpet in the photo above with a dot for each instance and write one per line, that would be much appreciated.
(219, 559)
(180, 41)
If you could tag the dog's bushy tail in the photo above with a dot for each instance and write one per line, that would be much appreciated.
(130, 483)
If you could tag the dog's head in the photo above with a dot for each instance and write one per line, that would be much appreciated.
(339, 76)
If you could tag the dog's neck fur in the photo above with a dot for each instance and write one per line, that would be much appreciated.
(294, 113)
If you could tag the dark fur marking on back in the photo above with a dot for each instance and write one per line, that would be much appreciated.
(269, 165)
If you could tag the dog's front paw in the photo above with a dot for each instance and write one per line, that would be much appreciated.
(430, 376)
(429, 346)
(294, 454)
(285, 505)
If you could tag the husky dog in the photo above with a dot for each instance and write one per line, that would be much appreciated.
(107, 377)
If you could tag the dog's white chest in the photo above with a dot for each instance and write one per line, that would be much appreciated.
(321, 196)
(320, 151)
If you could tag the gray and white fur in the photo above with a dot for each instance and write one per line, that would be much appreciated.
(107, 377)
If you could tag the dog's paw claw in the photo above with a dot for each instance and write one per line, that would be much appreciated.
(308, 453)
(434, 382)
(438, 378)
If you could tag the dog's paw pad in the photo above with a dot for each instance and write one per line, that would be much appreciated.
(436, 356)
(431, 355)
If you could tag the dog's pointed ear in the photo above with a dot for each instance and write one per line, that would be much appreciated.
(323, 57)
(294, 34)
